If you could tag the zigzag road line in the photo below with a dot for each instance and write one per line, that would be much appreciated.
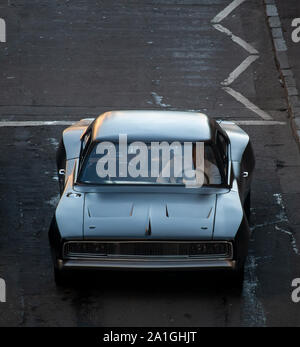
(244, 65)
(239, 97)
(252, 303)
(239, 70)
(227, 10)
(236, 39)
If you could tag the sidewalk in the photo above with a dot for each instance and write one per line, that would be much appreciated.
(280, 15)
(288, 10)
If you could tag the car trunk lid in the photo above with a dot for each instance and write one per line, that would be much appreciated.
(128, 216)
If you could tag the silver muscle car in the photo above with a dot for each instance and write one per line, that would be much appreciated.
(116, 212)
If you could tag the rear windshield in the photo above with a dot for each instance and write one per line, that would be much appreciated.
(188, 163)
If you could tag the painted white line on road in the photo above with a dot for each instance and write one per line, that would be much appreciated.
(34, 123)
(236, 39)
(227, 10)
(239, 70)
(240, 98)
(259, 122)
(244, 65)
(253, 311)
(53, 123)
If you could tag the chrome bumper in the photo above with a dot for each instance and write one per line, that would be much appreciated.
(73, 264)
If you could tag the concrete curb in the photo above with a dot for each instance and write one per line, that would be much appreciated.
(282, 61)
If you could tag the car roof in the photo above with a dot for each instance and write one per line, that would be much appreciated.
(153, 126)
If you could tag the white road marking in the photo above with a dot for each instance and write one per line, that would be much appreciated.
(34, 123)
(239, 97)
(227, 10)
(245, 64)
(236, 39)
(53, 123)
(259, 122)
(239, 70)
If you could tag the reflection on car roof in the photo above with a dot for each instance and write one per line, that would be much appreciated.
(154, 126)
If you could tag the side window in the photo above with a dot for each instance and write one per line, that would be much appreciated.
(85, 143)
(223, 149)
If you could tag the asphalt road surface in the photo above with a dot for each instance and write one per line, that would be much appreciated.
(65, 60)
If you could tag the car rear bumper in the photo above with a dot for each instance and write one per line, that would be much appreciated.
(217, 264)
